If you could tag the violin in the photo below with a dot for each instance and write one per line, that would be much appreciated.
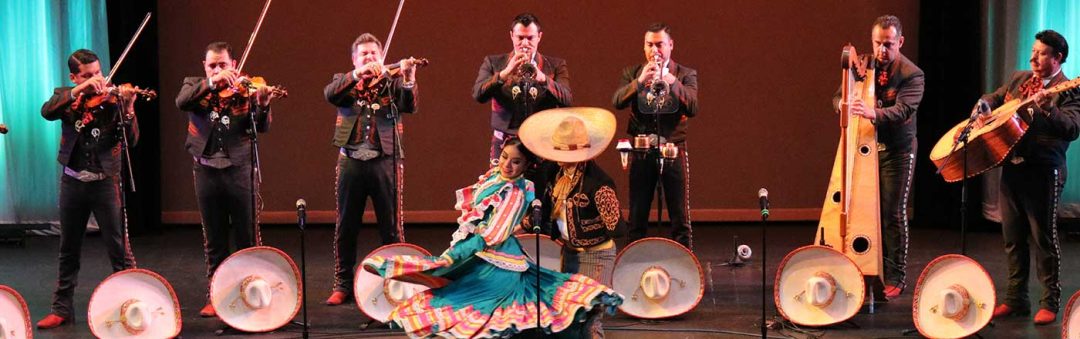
(369, 89)
(247, 86)
(89, 102)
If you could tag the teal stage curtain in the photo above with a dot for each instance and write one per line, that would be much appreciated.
(38, 36)
(1062, 16)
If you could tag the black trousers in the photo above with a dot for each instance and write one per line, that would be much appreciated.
(224, 197)
(77, 200)
(356, 182)
(676, 181)
(894, 177)
(1029, 205)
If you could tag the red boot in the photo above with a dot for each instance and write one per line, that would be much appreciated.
(1004, 310)
(893, 292)
(1045, 317)
(336, 298)
(51, 321)
(208, 311)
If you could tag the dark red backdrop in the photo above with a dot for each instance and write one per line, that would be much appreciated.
(767, 70)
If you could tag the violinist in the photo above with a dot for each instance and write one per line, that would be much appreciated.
(90, 153)
(521, 82)
(367, 100)
(220, 108)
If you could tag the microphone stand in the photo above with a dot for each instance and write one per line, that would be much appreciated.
(256, 173)
(539, 330)
(764, 260)
(301, 211)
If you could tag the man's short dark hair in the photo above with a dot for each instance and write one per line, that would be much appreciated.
(79, 58)
(658, 27)
(525, 19)
(886, 21)
(363, 39)
(218, 47)
(1054, 40)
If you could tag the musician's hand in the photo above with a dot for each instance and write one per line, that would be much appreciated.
(127, 93)
(670, 79)
(90, 86)
(408, 69)
(512, 65)
(371, 70)
(858, 107)
(648, 73)
(264, 94)
(1043, 100)
(540, 77)
(225, 78)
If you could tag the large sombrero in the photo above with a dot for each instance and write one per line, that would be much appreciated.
(818, 286)
(954, 298)
(573, 134)
(550, 251)
(134, 303)
(661, 277)
(376, 296)
(1070, 323)
(14, 315)
(256, 289)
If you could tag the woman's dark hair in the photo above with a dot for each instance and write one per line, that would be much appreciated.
(525, 152)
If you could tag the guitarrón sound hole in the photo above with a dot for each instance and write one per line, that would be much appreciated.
(836, 197)
(861, 244)
(864, 150)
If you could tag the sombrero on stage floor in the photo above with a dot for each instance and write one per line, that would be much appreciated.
(14, 315)
(376, 296)
(954, 298)
(134, 303)
(256, 289)
(661, 277)
(818, 286)
(550, 251)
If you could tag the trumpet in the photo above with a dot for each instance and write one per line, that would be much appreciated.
(659, 86)
(527, 69)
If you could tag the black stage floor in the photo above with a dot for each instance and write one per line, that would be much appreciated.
(732, 301)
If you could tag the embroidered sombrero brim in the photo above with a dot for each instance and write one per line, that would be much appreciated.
(685, 272)
(269, 264)
(370, 290)
(811, 262)
(149, 288)
(538, 130)
(951, 271)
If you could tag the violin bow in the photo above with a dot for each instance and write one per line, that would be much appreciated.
(390, 37)
(128, 48)
(254, 33)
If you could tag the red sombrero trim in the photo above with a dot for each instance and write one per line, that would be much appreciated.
(701, 275)
(25, 309)
(172, 294)
(776, 284)
(926, 273)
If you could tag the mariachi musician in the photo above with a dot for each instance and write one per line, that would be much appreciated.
(1033, 177)
(220, 110)
(90, 153)
(899, 89)
(367, 104)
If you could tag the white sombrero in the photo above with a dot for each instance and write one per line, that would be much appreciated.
(1070, 323)
(376, 296)
(14, 315)
(134, 303)
(256, 289)
(661, 277)
(550, 251)
(954, 298)
(818, 286)
(572, 134)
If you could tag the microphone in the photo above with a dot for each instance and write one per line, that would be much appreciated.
(3, 129)
(301, 211)
(763, 202)
(536, 216)
(981, 107)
